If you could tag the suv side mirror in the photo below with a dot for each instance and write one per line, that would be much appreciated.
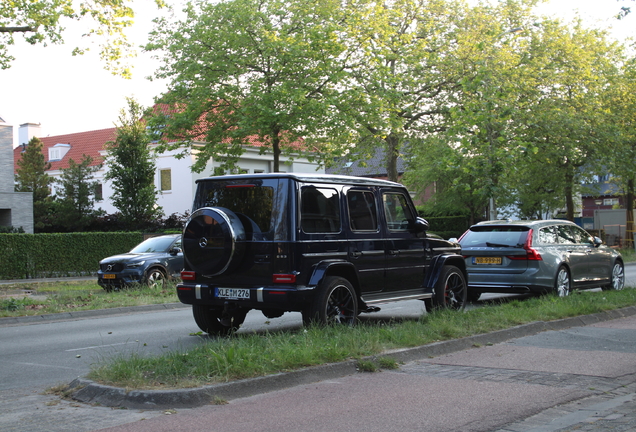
(421, 225)
(597, 241)
(175, 251)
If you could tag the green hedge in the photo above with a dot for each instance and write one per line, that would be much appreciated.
(25, 256)
(448, 226)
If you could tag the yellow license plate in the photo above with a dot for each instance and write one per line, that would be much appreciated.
(108, 276)
(487, 260)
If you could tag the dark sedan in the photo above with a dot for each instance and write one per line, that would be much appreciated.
(151, 262)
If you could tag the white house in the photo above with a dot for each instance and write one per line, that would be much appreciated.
(173, 178)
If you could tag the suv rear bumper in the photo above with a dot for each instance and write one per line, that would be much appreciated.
(282, 297)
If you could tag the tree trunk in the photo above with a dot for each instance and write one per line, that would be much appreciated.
(569, 199)
(629, 229)
(393, 152)
(276, 148)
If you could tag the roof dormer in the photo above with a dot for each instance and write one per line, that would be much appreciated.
(58, 151)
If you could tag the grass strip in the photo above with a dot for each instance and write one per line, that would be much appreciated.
(26, 299)
(251, 355)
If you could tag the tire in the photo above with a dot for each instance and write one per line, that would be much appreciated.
(563, 283)
(617, 281)
(451, 290)
(155, 278)
(213, 241)
(216, 321)
(336, 302)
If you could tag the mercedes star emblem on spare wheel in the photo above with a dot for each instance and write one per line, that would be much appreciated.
(203, 242)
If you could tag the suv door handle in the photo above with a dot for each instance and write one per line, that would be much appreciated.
(394, 252)
(356, 254)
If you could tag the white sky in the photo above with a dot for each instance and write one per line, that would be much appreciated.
(67, 94)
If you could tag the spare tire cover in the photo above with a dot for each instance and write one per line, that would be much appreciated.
(213, 241)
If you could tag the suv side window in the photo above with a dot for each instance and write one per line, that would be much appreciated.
(319, 210)
(363, 215)
(397, 212)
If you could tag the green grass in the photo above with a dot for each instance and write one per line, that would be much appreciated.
(24, 299)
(252, 355)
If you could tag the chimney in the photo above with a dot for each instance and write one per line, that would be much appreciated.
(28, 131)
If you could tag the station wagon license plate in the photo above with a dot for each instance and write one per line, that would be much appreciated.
(233, 293)
(487, 260)
(108, 276)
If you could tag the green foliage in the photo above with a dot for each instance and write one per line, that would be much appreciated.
(76, 195)
(131, 168)
(10, 230)
(42, 255)
(31, 177)
(270, 82)
(44, 21)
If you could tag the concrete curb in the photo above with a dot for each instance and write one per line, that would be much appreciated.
(88, 391)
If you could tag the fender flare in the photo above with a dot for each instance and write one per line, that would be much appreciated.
(342, 267)
(435, 268)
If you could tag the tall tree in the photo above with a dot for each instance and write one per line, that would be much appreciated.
(569, 123)
(246, 69)
(31, 176)
(131, 168)
(399, 71)
(621, 104)
(75, 197)
(42, 21)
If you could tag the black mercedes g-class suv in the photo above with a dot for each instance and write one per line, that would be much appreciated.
(327, 246)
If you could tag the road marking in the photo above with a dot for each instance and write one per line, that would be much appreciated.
(97, 346)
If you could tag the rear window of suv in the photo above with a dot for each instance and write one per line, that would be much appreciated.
(254, 201)
(495, 236)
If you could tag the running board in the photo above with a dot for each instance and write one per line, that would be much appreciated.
(420, 296)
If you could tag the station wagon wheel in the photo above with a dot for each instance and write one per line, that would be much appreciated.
(617, 281)
(563, 284)
(155, 278)
(216, 321)
(451, 290)
(336, 302)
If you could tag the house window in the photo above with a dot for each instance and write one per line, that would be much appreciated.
(99, 194)
(58, 151)
(610, 201)
(165, 180)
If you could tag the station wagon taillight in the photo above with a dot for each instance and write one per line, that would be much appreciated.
(531, 253)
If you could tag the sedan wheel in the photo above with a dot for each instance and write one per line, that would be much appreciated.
(563, 285)
(618, 278)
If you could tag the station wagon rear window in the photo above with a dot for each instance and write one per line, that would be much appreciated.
(495, 236)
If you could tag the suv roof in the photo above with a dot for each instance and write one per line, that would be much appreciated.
(307, 177)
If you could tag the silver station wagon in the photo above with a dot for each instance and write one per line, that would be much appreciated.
(536, 257)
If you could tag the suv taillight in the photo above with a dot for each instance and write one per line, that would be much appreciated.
(284, 278)
(188, 275)
(531, 253)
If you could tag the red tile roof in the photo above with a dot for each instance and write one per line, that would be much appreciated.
(82, 143)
